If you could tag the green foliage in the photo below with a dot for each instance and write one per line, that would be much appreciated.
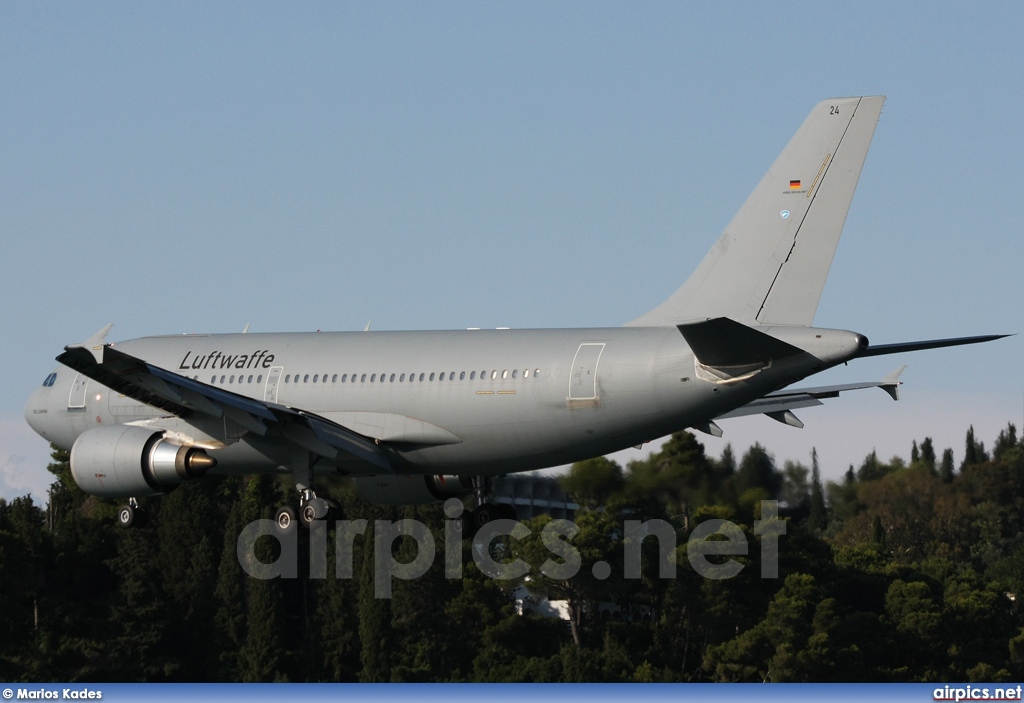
(901, 571)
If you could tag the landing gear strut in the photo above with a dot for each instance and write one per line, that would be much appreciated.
(311, 507)
(486, 511)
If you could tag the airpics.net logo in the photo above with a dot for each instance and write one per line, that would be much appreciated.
(977, 693)
(720, 539)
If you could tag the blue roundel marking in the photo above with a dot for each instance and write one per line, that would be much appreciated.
(785, 214)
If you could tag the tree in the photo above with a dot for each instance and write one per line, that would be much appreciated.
(974, 451)
(946, 471)
(375, 634)
(757, 478)
(593, 482)
(584, 584)
(262, 658)
(818, 517)
(928, 454)
(1007, 448)
(795, 489)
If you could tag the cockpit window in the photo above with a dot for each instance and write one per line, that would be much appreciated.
(50, 380)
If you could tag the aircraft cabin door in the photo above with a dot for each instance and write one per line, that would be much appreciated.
(583, 379)
(273, 379)
(76, 400)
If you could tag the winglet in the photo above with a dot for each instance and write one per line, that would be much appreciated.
(891, 383)
(94, 344)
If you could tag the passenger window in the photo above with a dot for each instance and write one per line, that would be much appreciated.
(401, 379)
(250, 379)
(515, 373)
(392, 378)
(213, 379)
(344, 377)
(373, 378)
(472, 375)
(222, 379)
(431, 377)
(316, 377)
(494, 375)
(305, 379)
(441, 378)
(259, 379)
(504, 374)
(334, 378)
(462, 376)
(421, 376)
(536, 372)
(362, 379)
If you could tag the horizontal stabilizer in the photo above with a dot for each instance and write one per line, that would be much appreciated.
(778, 405)
(883, 349)
(724, 342)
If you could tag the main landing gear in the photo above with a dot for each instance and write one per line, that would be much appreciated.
(485, 511)
(130, 515)
(311, 509)
(311, 506)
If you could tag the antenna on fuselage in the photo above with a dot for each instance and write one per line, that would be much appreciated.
(367, 328)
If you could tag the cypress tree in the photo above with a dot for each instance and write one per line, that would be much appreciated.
(374, 619)
(263, 657)
(946, 470)
(928, 454)
(818, 518)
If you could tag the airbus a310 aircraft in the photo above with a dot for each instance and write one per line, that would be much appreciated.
(416, 417)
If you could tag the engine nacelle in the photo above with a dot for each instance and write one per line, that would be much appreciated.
(411, 490)
(124, 461)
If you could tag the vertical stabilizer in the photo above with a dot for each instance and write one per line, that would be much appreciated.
(770, 264)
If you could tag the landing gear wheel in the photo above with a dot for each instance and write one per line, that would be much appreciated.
(333, 509)
(126, 516)
(313, 510)
(485, 513)
(285, 519)
(465, 525)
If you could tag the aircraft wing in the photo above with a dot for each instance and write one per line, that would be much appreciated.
(780, 404)
(185, 397)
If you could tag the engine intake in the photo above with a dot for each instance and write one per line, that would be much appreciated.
(123, 461)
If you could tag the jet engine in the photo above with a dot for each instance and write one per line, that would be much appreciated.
(411, 490)
(123, 461)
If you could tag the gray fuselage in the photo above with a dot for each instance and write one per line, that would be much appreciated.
(485, 401)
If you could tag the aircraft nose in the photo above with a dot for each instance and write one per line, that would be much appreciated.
(35, 412)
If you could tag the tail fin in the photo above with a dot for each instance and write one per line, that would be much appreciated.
(770, 264)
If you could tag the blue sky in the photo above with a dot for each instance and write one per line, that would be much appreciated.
(193, 167)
